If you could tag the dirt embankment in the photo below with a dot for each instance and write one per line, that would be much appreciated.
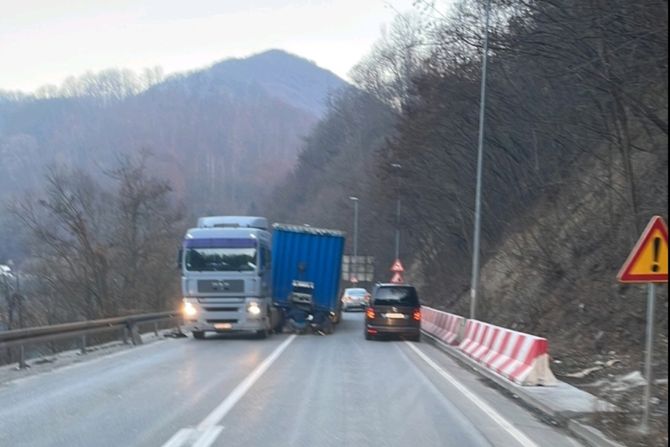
(556, 277)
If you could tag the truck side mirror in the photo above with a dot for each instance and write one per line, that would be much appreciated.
(179, 256)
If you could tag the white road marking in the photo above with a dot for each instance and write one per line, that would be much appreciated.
(178, 439)
(207, 431)
(208, 437)
(240, 390)
(521, 438)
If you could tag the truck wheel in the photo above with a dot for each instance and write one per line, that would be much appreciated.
(279, 327)
(327, 326)
(263, 333)
(198, 335)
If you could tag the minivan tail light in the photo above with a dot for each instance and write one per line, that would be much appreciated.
(416, 315)
(370, 313)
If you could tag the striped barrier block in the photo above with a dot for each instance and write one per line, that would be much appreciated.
(521, 358)
(444, 326)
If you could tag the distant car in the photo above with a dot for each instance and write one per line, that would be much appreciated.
(355, 298)
(394, 309)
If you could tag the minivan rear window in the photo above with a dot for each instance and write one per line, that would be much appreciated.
(396, 296)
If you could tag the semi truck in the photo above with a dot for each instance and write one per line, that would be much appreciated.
(226, 274)
(307, 265)
(238, 276)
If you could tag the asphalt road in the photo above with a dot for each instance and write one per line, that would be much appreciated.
(337, 390)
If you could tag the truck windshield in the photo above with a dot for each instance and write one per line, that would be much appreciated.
(220, 255)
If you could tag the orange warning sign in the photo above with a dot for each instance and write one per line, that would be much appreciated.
(648, 262)
(397, 278)
(397, 267)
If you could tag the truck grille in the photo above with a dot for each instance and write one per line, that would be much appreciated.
(222, 321)
(221, 286)
(221, 309)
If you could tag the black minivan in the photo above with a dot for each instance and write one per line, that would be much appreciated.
(394, 309)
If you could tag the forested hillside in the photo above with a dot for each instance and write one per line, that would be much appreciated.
(575, 165)
(222, 135)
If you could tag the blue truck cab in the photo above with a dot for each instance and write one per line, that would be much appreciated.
(226, 274)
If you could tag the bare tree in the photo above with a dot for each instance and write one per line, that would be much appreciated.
(96, 252)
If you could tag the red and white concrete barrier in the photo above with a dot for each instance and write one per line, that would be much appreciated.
(521, 358)
(444, 326)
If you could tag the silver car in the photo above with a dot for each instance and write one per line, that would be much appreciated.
(355, 298)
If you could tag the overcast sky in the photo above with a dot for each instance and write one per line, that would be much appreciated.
(44, 41)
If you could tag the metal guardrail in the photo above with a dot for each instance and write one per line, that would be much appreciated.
(128, 328)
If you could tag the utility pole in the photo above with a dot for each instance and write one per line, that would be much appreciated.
(397, 229)
(474, 285)
(397, 214)
(354, 263)
(19, 299)
(10, 295)
(8, 300)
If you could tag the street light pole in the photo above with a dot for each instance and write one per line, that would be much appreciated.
(19, 298)
(354, 264)
(474, 285)
(397, 215)
(397, 228)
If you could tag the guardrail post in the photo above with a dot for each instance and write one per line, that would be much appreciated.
(177, 325)
(83, 344)
(156, 328)
(135, 333)
(22, 357)
(124, 335)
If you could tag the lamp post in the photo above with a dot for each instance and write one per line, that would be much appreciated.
(4, 280)
(397, 214)
(474, 285)
(354, 263)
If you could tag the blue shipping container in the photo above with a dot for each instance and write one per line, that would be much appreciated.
(307, 254)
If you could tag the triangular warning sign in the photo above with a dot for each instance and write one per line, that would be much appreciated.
(397, 278)
(648, 262)
(397, 267)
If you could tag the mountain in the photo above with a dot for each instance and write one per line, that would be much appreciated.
(223, 135)
(285, 77)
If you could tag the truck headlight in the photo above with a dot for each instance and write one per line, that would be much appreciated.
(254, 309)
(189, 309)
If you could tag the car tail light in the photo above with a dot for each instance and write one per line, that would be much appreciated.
(416, 315)
(370, 313)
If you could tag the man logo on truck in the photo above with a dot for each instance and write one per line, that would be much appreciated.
(217, 285)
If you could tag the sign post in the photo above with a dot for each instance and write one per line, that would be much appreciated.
(648, 357)
(397, 270)
(648, 263)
